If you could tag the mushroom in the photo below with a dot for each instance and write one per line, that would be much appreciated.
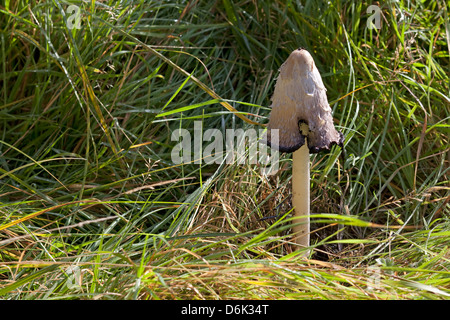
(302, 116)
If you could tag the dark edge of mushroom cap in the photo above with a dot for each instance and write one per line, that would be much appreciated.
(340, 144)
(312, 149)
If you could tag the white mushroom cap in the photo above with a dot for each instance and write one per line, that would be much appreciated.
(300, 96)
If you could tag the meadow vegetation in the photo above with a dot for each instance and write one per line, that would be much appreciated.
(93, 207)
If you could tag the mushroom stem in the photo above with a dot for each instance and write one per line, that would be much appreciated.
(300, 195)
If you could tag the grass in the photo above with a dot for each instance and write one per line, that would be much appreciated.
(93, 207)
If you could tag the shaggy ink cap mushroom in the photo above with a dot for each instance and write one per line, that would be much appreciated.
(300, 97)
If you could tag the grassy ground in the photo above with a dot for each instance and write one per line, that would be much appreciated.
(92, 205)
